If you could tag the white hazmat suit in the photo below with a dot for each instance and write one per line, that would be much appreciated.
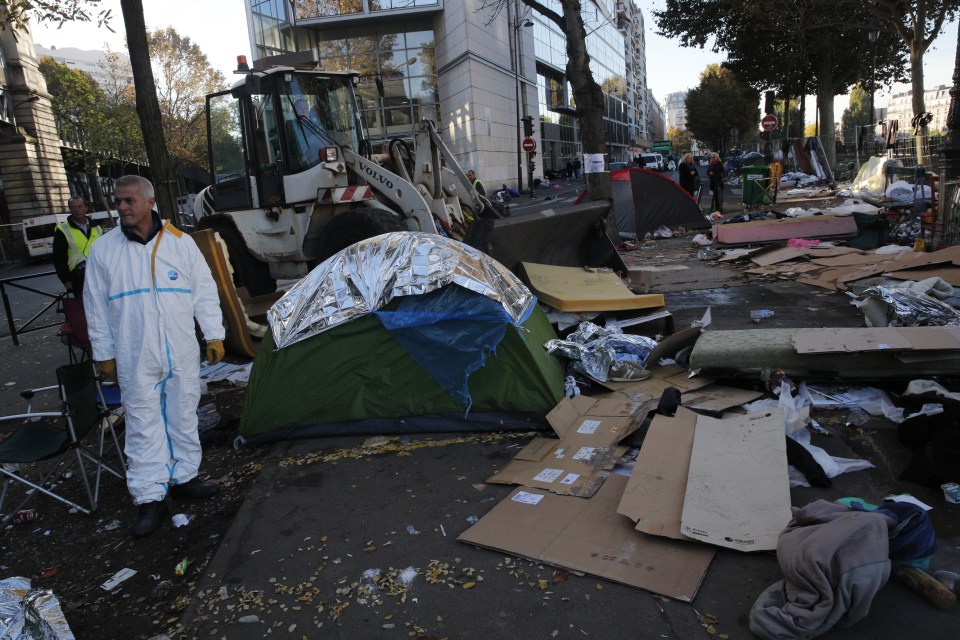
(140, 302)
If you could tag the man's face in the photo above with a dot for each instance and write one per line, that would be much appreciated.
(133, 209)
(471, 175)
(78, 209)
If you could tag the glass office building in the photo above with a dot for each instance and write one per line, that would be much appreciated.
(474, 74)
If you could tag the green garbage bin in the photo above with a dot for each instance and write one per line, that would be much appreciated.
(756, 184)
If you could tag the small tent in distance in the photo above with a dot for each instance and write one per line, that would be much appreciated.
(644, 201)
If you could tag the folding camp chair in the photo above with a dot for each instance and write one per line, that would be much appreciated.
(49, 443)
(73, 332)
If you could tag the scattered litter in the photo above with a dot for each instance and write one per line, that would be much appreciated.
(180, 520)
(223, 593)
(110, 526)
(207, 416)
(412, 530)
(248, 619)
(472, 519)
(443, 531)
(181, 568)
(951, 492)
(759, 314)
(909, 499)
(857, 417)
(407, 576)
(24, 516)
(118, 577)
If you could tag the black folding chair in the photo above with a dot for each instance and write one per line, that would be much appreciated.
(47, 444)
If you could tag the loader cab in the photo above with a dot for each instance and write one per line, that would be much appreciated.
(271, 136)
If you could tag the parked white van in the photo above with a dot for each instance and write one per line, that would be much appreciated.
(652, 161)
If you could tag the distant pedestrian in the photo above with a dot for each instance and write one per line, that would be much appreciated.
(569, 170)
(576, 168)
(475, 182)
(716, 172)
(71, 245)
(689, 176)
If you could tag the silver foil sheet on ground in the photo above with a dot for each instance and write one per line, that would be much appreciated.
(592, 349)
(366, 276)
(908, 308)
(30, 614)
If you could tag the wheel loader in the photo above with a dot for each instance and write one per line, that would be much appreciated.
(295, 179)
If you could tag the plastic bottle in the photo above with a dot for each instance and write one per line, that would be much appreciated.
(857, 417)
(758, 314)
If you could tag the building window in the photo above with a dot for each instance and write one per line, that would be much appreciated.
(304, 9)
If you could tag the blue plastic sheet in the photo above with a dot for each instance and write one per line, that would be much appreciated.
(450, 333)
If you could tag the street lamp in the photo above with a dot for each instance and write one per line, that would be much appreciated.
(516, 64)
(873, 34)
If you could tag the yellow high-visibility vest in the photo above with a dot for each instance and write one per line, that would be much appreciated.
(78, 245)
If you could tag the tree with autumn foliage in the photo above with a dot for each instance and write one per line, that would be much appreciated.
(183, 77)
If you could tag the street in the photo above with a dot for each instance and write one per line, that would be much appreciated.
(24, 303)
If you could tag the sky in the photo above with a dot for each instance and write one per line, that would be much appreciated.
(219, 27)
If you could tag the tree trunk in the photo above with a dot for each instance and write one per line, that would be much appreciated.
(148, 108)
(589, 99)
(916, 73)
(825, 93)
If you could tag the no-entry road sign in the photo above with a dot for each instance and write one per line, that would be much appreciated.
(529, 144)
(769, 122)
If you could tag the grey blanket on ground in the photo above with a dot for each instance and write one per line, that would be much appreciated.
(834, 561)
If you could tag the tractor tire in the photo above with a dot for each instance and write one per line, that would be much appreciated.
(356, 225)
(247, 271)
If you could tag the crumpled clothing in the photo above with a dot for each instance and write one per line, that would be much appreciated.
(834, 562)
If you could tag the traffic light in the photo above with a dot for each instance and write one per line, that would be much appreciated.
(527, 126)
(768, 98)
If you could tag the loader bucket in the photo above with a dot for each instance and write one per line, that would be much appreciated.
(576, 236)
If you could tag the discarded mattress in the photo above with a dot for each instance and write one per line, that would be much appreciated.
(405, 332)
(825, 226)
(759, 351)
(575, 289)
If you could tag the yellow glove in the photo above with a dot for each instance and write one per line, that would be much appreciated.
(108, 369)
(215, 351)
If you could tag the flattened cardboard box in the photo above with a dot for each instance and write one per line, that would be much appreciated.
(590, 536)
(654, 494)
(738, 488)
(577, 463)
(877, 339)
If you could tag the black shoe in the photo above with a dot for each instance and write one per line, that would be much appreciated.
(194, 490)
(148, 518)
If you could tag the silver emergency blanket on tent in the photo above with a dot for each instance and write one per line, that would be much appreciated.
(366, 276)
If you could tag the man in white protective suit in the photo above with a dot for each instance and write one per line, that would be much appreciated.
(145, 285)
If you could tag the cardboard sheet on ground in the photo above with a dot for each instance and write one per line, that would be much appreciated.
(654, 494)
(877, 339)
(590, 536)
(576, 289)
(738, 487)
(716, 398)
(577, 463)
(950, 275)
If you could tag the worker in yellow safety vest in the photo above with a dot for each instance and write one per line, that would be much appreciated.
(71, 245)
